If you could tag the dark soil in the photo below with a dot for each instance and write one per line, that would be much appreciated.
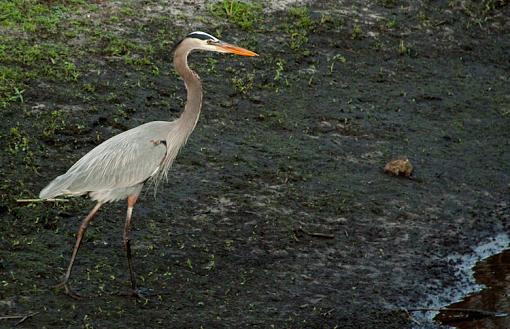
(277, 212)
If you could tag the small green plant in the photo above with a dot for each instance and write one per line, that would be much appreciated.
(89, 88)
(326, 19)
(505, 112)
(301, 16)
(391, 23)
(115, 45)
(297, 40)
(280, 67)
(10, 85)
(403, 49)
(244, 85)
(423, 18)
(229, 245)
(490, 5)
(357, 32)
(478, 10)
(279, 76)
(211, 64)
(336, 58)
(243, 14)
(155, 70)
(299, 27)
(18, 95)
(127, 11)
(212, 264)
(54, 123)
(70, 71)
(19, 146)
(137, 61)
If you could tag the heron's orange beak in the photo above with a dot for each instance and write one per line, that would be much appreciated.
(228, 48)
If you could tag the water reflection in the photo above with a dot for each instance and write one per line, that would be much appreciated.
(494, 273)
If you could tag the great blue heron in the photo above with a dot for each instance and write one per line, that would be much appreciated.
(120, 166)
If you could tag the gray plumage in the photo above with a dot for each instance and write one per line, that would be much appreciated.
(119, 167)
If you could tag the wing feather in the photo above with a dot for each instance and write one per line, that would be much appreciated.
(122, 161)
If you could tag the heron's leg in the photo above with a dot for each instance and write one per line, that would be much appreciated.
(127, 238)
(81, 233)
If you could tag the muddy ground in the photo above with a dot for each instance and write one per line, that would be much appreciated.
(277, 213)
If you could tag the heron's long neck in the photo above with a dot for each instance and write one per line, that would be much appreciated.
(189, 116)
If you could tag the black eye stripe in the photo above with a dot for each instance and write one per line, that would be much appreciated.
(200, 36)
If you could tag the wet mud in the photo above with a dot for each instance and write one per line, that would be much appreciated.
(278, 212)
(489, 306)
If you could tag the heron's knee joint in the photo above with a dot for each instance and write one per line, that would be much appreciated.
(159, 141)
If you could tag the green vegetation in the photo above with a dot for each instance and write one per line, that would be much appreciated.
(391, 23)
(19, 147)
(405, 49)
(244, 85)
(32, 15)
(299, 28)
(38, 44)
(22, 61)
(9, 82)
(242, 14)
(478, 9)
(302, 17)
(279, 76)
(357, 32)
(115, 45)
(402, 49)
(337, 58)
(53, 122)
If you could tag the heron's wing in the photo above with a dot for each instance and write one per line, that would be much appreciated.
(122, 161)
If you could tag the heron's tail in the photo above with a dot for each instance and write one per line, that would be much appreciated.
(57, 187)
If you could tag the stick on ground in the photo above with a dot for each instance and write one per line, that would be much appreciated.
(22, 318)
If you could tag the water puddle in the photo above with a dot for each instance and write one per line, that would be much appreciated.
(481, 298)
(488, 308)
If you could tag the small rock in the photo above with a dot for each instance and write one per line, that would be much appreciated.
(337, 220)
(399, 167)
(325, 124)
(257, 252)
(280, 253)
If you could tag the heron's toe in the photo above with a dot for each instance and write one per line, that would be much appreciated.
(69, 292)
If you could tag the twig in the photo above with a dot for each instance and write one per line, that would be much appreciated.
(466, 310)
(26, 317)
(316, 234)
(411, 317)
(22, 318)
(40, 200)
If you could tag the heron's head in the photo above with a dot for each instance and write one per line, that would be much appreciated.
(201, 40)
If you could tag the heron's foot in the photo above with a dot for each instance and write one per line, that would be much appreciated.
(69, 292)
(136, 293)
(139, 293)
